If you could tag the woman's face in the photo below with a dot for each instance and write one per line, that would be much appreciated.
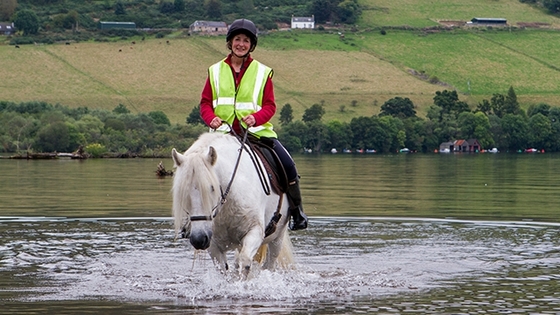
(240, 45)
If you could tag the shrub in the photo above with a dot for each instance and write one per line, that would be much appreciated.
(433, 80)
(95, 150)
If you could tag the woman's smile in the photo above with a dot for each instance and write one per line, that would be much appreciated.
(241, 45)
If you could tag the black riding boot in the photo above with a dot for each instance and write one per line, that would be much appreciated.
(299, 219)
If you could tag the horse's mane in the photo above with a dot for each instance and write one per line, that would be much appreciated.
(196, 170)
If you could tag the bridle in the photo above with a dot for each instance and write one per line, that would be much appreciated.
(223, 194)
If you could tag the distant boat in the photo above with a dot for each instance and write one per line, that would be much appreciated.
(404, 150)
(370, 151)
(347, 151)
(445, 150)
(307, 150)
(334, 151)
(493, 150)
(531, 150)
(360, 151)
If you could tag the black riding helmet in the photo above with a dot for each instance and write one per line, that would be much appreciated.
(243, 26)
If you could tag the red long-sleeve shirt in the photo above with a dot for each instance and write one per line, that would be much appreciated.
(264, 115)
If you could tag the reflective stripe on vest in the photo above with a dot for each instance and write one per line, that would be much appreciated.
(248, 100)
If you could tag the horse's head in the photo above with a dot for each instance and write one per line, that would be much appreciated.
(196, 193)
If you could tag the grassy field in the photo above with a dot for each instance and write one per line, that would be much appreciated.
(422, 13)
(154, 75)
(352, 76)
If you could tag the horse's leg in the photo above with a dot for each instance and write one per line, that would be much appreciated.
(218, 257)
(251, 243)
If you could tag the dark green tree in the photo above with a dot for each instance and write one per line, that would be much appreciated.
(415, 129)
(395, 133)
(475, 126)
(541, 108)
(179, 5)
(447, 128)
(541, 132)
(398, 107)
(511, 105)
(53, 138)
(246, 7)
(166, 7)
(315, 112)
(286, 114)
(213, 8)
(121, 109)
(115, 124)
(26, 21)
(317, 135)
(159, 118)
(482, 130)
(322, 10)
(515, 131)
(348, 11)
(498, 104)
(120, 8)
(467, 125)
(194, 116)
(484, 107)
(367, 133)
(339, 134)
(294, 136)
(449, 103)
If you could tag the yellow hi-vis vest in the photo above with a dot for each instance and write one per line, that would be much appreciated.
(229, 103)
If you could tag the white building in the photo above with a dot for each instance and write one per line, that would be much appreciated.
(303, 22)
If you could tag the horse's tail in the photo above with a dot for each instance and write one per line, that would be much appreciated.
(285, 258)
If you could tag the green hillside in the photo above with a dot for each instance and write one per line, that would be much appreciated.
(425, 13)
(351, 75)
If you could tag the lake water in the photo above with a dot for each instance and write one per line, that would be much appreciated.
(402, 233)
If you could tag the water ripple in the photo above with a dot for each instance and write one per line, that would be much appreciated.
(348, 264)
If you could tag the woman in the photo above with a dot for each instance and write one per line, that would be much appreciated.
(239, 91)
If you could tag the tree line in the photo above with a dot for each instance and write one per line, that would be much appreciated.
(497, 122)
(43, 127)
(75, 19)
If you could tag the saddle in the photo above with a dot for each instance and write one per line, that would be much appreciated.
(263, 147)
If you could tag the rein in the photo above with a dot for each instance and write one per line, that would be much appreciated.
(223, 193)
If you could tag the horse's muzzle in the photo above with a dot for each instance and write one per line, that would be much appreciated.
(201, 240)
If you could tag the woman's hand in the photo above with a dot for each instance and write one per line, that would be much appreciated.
(249, 120)
(216, 123)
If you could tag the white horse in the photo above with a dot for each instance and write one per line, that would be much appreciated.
(218, 196)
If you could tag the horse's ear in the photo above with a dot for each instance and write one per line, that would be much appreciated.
(177, 157)
(212, 155)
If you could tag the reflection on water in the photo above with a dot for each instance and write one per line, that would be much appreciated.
(388, 233)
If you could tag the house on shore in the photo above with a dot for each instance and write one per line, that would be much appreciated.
(208, 28)
(464, 146)
(303, 22)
